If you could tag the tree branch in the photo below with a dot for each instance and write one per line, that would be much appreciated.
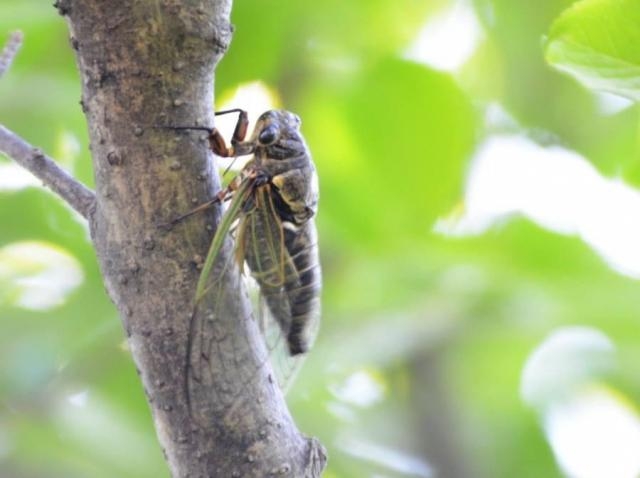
(215, 405)
(44, 168)
(9, 51)
(217, 409)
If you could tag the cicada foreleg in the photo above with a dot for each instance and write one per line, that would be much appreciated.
(219, 147)
(220, 197)
(238, 145)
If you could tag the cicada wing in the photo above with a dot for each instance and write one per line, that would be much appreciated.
(262, 239)
(231, 215)
(285, 366)
(213, 314)
(273, 269)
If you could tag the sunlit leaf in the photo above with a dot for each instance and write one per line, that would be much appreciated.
(37, 276)
(595, 41)
(507, 176)
(594, 433)
(586, 354)
(14, 177)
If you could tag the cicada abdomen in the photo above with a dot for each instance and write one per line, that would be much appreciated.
(283, 259)
(303, 292)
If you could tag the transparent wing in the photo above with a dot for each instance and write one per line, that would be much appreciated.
(261, 240)
(263, 237)
(212, 390)
(231, 215)
(285, 366)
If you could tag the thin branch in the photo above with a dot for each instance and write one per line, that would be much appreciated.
(10, 50)
(43, 167)
(78, 196)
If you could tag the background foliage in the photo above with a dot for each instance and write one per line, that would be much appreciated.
(457, 340)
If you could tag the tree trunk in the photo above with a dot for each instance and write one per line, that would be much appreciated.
(145, 64)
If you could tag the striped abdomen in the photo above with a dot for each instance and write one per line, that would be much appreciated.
(284, 262)
(304, 292)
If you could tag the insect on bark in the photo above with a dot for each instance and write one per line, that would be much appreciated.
(273, 200)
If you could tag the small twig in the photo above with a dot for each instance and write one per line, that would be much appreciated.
(78, 196)
(10, 50)
(43, 167)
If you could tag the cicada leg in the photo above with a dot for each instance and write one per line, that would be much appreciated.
(238, 146)
(223, 195)
(219, 147)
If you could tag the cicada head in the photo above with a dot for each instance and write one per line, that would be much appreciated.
(277, 135)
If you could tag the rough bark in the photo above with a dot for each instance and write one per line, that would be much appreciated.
(144, 64)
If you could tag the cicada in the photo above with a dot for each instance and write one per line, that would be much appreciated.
(273, 201)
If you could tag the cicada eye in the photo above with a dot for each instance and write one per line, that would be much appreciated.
(268, 135)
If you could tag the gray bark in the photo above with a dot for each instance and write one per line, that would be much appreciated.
(145, 64)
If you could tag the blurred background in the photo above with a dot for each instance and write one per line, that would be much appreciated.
(479, 238)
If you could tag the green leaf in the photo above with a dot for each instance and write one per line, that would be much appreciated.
(596, 42)
(391, 144)
(285, 43)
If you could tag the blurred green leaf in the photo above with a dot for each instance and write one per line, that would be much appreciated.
(596, 42)
(284, 43)
(385, 148)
